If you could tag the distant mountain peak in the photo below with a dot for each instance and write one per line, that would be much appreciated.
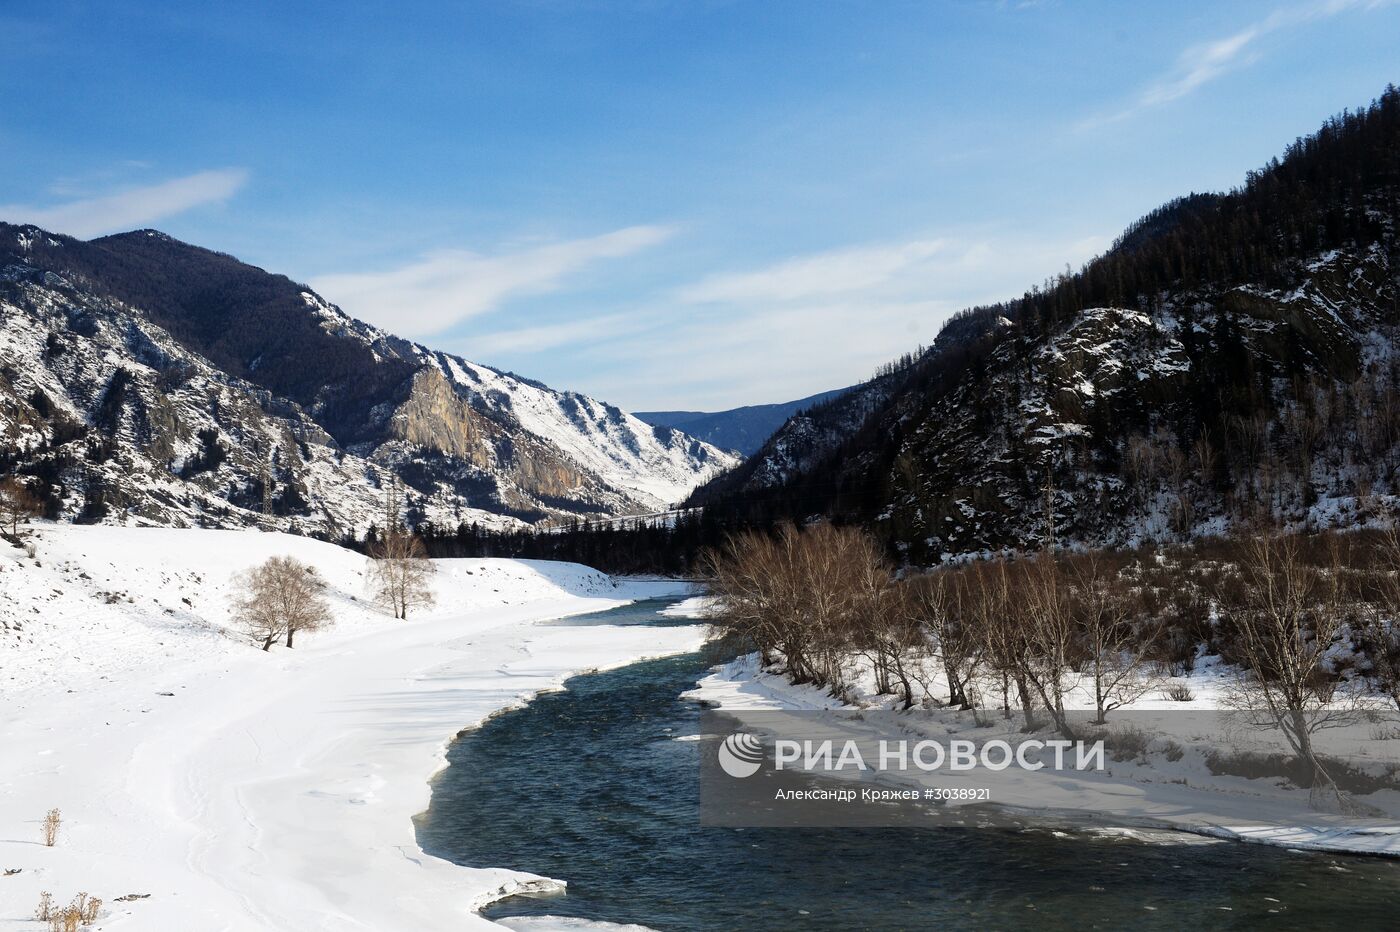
(742, 429)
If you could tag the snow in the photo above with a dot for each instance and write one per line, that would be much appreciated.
(343, 490)
(566, 924)
(1146, 793)
(175, 405)
(624, 450)
(250, 790)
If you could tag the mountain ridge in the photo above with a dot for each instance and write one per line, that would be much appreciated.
(1252, 334)
(744, 428)
(213, 380)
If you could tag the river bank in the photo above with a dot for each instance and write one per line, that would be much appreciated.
(621, 824)
(223, 788)
(1171, 783)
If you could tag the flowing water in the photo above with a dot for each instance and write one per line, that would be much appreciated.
(592, 786)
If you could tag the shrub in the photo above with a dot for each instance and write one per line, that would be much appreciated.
(52, 820)
(1254, 766)
(1126, 742)
(1384, 732)
(83, 911)
(1180, 692)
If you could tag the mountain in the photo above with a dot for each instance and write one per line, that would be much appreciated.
(775, 481)
(144, 377)
(1231, 359)
(741, 429)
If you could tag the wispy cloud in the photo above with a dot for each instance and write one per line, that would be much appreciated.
(798, 325)
(1199, 65)
(1203, 62)
(131, 207)
(549, 336)
(443, 288)
(828, 273)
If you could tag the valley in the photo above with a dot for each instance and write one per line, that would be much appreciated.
(616, 467)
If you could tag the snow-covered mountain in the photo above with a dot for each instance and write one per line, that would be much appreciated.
(1231, 359)
(144, 378)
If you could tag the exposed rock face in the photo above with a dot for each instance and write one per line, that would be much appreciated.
(145, 379)
(437, 418)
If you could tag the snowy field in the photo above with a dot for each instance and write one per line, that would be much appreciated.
(1168, 785)
(206, 785)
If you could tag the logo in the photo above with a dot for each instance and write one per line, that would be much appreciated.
(741, 754)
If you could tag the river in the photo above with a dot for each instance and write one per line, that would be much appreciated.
(596, 785)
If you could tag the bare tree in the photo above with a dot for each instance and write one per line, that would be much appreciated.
(1114, 648)
(998, 617)
(742, 577)
(1179, 472)
(1381, 624)
(940, 604)
(1048, 635)
(1306, 427)
(758, 580)
(762, 583)
(848, 602)
(1140, 462)
(814, 598)
(46, 907)
(281, 597)
(401, 572)
(1286, 616)
(885, 625)
(17, 503)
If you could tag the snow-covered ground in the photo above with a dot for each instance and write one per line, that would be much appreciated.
(233, 789)
(1168, 785)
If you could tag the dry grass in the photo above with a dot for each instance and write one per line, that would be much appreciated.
(53, 819)
(83, 911)
(1126, 742)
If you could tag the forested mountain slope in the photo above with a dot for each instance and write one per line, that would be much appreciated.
(142, 377)
(1231, 357)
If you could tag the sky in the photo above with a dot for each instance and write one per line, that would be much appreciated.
(694, 204)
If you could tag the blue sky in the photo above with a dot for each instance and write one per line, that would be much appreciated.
(664, 204)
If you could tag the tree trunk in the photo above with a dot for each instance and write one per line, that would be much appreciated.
(1027, 704)
(267, 642)
(956, 695)
(882, 673)
(1323, 795)
(1098, 695)
(906, 686)
(290, 632)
